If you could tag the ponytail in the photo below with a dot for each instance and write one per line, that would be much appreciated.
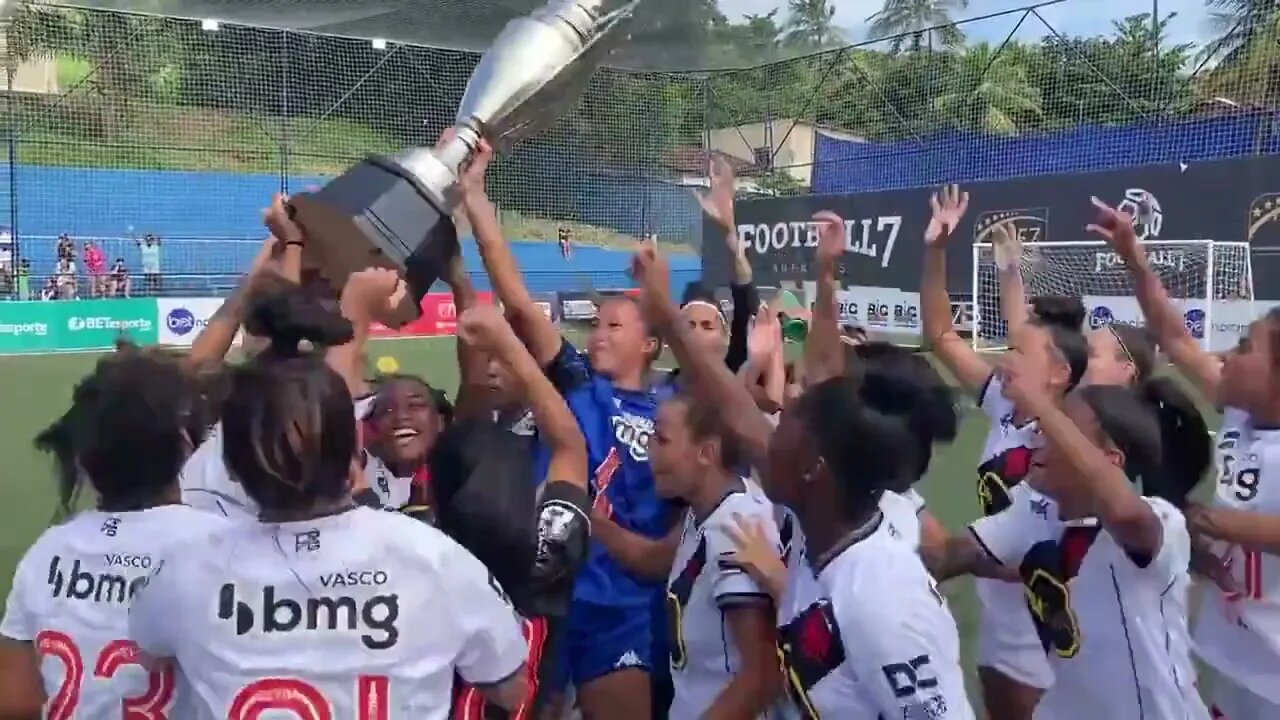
(1185, 448)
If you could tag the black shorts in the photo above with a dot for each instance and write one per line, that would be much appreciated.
(542, 635)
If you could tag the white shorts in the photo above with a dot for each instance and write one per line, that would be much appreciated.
(1230, 701)
(1009, 644)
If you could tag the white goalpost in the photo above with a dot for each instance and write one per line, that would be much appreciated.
(1210, 281)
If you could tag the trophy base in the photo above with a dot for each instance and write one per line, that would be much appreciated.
(376, 215)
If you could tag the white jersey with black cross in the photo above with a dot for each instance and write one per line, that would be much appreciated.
(1109, 621)
(1238, 633)
(1007, 639)
(700, 590)
(871, 637)
(70, 599)
(361, 614)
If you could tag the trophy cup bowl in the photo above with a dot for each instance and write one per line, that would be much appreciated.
(396, 212)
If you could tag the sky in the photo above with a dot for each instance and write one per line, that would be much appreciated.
(1069, 17)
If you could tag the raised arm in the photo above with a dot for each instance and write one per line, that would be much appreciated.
(1124, 513)
(718, 205)
(961, 359)
(823, 351)
(536, 330)
(708, 376)
(1007, 249)
(473, 365)
(484, 327)
(564, 523)
(367, 295)
(1162, 316)
(280, 253)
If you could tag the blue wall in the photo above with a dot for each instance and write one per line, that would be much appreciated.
(842, 166)
(93, 203)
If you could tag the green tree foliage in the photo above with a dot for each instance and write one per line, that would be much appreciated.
(315, 102)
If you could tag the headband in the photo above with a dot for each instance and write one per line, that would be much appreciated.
(719, 313)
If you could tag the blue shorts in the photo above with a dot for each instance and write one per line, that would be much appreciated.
(600, 639)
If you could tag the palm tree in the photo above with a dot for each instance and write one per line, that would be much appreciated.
(919, 23)
(989, 91)
(1247, 51)
(810, 24)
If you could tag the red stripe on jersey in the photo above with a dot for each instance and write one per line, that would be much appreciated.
(470, 703)
(603, 477)
(1075, 543)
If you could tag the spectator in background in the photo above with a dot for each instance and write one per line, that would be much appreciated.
(66, 248)
(6, 262)
(50, 290)
(118, 283)
(24, 279)
(96, 266)
(566, 243)
(149, 246)
(64, 275)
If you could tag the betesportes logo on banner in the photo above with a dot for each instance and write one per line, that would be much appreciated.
(180, 320)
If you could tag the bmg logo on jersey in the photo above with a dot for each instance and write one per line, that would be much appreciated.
(1101, 316)
(273, 613)
(1194, 322)
(76, 583)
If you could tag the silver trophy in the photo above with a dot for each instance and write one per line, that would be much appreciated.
(396, 212)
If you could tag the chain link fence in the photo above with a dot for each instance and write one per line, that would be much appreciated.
(119, 124)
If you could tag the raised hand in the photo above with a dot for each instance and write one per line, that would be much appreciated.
(280, 224)
(1116, 227)
(766, 335)
(949, 204)
(755, 554)
(830, 238)
(371, 293)
(483, 327)
(472, 180)
(718, 204)
(1006, 245)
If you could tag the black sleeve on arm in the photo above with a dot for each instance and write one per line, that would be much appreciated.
(568, 369)
(746, 302)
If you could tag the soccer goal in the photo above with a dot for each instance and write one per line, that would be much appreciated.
(1211, 282)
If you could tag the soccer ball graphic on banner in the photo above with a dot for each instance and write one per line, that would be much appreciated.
(1144, 208)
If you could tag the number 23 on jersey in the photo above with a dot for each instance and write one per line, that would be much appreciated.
(292, 695)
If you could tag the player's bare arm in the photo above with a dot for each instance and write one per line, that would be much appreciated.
(1251, 530)
(641, 555)
(758, 681)
(21, 689)
(1129, 518)
(215, 339)
(948, 206)
(710, 379)
(473, 365)
(1162, 317)
(823, 351)
(764, 373)
(1013, 294)
(534, 328)
(962, 555)
(366, 297)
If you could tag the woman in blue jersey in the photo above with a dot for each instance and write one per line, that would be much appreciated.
(607, 643)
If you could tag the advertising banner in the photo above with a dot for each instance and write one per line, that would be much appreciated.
(180, 320)
(439, 317)
(877, 308)
(1222, 326)
(1232, 200)
(61, 325)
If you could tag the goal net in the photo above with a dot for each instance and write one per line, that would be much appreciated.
(1210, 282)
